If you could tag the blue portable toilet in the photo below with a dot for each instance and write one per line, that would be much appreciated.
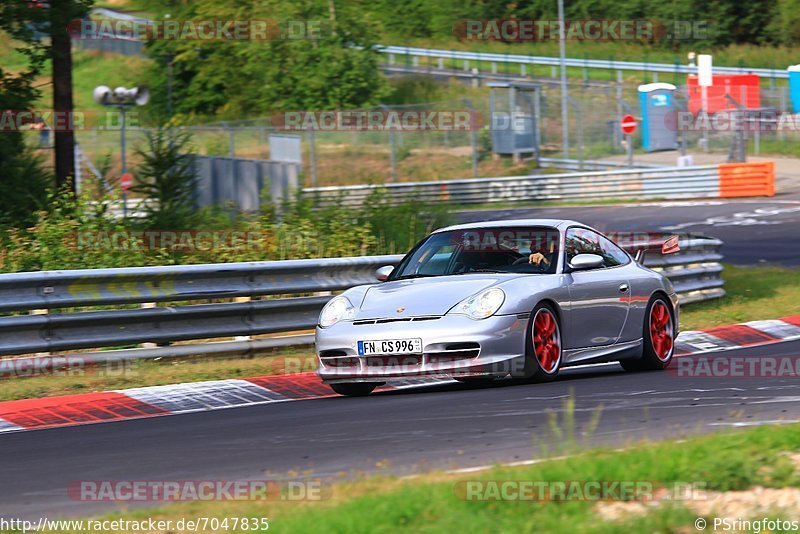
(794, 87)
(658, 105)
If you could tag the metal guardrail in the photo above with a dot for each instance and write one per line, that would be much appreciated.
(695, 272)
(571, 62)
(662, 182)
(593, 165)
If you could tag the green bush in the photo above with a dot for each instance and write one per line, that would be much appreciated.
(77, 233)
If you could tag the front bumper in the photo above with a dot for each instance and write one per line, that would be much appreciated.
(452, 345)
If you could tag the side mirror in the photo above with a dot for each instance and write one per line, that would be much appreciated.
(383, 273)
(586, 261)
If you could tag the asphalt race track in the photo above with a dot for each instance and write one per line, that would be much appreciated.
(444, 426)
(754, 231)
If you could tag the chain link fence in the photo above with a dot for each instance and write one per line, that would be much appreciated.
(337, 157)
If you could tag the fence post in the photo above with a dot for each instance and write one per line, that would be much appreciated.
(617, 133)
(392, 147)
(312, 155)
(473, 137)
(231, 141)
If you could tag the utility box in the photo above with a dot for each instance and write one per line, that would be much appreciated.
(658, 110)
(794, 87)
(514, 109)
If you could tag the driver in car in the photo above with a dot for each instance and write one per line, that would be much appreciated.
(542, 252)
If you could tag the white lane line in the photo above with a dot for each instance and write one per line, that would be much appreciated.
(758, 423)
(778, 399)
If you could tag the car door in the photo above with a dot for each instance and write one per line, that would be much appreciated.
(599, 298)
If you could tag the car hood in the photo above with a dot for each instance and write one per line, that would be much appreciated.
(423, 296)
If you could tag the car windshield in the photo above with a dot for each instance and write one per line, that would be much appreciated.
(532, 250)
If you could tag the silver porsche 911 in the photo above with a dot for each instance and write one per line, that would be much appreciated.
(486, 300)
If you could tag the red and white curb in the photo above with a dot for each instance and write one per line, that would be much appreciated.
(737, 336)
(152, 401)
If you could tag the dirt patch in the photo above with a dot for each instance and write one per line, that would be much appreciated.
(755, 502)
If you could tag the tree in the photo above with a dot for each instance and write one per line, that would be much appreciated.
(166, 176)
(31, 22)
(24, 185)
(318, 63)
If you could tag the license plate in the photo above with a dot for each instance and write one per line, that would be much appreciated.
(390, 346)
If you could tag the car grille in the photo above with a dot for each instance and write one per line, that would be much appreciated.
(450, 352)
(338, 358)
(397, 320)
(455, 351)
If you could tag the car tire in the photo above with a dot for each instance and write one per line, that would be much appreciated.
(658, 337)
(353, 389)
(544, 347)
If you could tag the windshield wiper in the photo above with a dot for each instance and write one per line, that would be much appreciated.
(410, 276)
(482, 271)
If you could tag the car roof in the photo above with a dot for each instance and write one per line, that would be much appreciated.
(554, 223)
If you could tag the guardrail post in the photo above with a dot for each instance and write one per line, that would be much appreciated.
(522, 70)
(494, 67)
(148, 305)
(242, 299)
(440, 63)
(40, 312)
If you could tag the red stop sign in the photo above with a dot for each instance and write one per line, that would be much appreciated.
(628, 124)
(126, 181)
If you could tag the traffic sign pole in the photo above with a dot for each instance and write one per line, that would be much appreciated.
(628, 126)
(629, 143)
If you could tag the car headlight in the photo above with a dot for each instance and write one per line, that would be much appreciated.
(483, 305)
(337, 309)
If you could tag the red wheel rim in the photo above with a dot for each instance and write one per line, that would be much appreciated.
(661, 330)
(546, 341)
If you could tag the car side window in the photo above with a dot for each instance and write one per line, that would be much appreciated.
(583, 241)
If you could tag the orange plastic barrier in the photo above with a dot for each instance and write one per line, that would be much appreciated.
(747, 179)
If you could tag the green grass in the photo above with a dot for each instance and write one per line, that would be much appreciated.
(753, 293)
(434, 502)
(154, 373)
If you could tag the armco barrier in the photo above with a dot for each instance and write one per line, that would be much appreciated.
(705, 181)
(489, 57)
(694, 271)
(665, 182)
(747, 179)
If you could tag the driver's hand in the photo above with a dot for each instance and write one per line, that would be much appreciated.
(537, 258)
